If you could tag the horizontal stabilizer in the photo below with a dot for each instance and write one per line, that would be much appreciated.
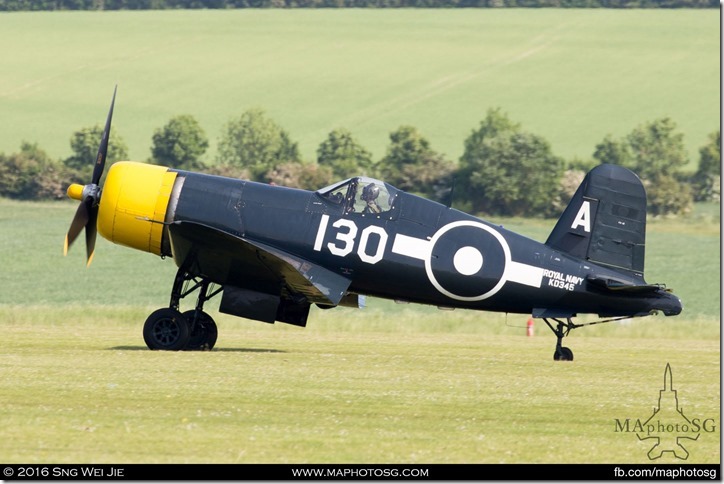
(620, 286)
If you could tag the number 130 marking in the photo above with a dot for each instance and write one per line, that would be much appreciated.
(345, 236)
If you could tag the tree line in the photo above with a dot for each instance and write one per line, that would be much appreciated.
(504, 169)
(26, 5)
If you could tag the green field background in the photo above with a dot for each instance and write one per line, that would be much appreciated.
(571, 76)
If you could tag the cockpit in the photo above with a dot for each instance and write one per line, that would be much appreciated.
(363, 195)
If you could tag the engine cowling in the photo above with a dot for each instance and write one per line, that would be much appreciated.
(134, 204)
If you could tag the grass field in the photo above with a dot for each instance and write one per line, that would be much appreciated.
(85, 391)
(387, 384)
(572, 76)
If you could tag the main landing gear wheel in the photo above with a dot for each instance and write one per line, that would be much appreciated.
(166, 329)
(204, 332)
(194, 330)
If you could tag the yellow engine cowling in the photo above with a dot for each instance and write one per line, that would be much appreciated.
(133, 205)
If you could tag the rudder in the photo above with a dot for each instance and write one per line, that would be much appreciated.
(605, 221)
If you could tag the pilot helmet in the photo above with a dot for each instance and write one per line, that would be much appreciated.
(370, 192)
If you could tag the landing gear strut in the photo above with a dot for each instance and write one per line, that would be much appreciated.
(169, 329)
(562, 329)
(562, 353)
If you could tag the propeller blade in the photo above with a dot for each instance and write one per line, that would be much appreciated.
(90, 235)
(103, 147)
(89, 195)
(80, 220)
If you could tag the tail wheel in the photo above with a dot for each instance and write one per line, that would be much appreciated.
(563, 354)
(203, 336)
(166, 329)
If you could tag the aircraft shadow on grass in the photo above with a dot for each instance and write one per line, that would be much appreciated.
(230, 350)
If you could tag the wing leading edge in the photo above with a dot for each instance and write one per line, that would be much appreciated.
(230, 259)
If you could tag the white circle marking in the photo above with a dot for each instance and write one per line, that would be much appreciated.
(468, 260)
(467, 223)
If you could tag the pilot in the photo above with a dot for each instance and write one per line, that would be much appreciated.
(369, 195)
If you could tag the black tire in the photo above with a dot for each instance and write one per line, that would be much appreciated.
(166, 329)
(203, 337)
(564, 354)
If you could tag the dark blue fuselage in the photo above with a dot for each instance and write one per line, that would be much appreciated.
(418, 251)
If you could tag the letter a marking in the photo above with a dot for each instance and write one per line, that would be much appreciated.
(584, 217)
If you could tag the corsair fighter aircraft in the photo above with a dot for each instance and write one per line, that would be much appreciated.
(272, 252)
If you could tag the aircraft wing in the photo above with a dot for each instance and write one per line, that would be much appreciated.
(226, 258)
(318, 284)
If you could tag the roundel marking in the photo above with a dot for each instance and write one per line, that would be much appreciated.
(468, 258)
(468, 261)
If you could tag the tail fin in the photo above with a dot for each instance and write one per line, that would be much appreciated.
(605, 221)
